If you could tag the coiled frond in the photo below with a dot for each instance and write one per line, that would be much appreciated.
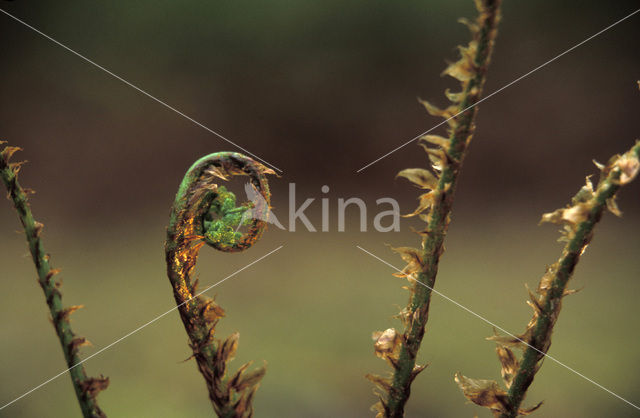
(206, 213)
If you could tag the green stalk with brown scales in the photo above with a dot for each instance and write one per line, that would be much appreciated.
(446, 156)
(86, 388)
(204, 212)
(578, 220)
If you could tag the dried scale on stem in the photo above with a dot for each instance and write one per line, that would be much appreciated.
(578, 220)
(206, 213)
(446, 156)
(86, 388)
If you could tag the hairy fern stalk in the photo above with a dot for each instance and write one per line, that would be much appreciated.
(578, 220)
(86, 388)
(206, 213)
(446, 156)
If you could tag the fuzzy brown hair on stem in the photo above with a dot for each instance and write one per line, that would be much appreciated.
(578, 221)
(86, 388)
(204, 212)
(446, 156)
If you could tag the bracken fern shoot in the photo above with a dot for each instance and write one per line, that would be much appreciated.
(86, 388)
(446, 156)
(206, 213)
(578, 221)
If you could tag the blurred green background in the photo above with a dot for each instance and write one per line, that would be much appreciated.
(319, 89)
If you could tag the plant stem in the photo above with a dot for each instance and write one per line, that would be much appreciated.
(189, 229)
(462, 128)
(547, 306)
(86, 388)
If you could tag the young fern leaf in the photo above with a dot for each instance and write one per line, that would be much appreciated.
(446, 156)
(578, 221)
(193, 223)
(86, 388)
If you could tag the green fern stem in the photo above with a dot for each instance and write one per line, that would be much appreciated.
(462, 128)
(86, 388)
(205, 213)
(547, 306)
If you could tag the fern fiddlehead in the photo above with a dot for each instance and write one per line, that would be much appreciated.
(206, 213)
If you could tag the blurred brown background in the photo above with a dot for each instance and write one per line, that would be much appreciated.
(319, 89)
